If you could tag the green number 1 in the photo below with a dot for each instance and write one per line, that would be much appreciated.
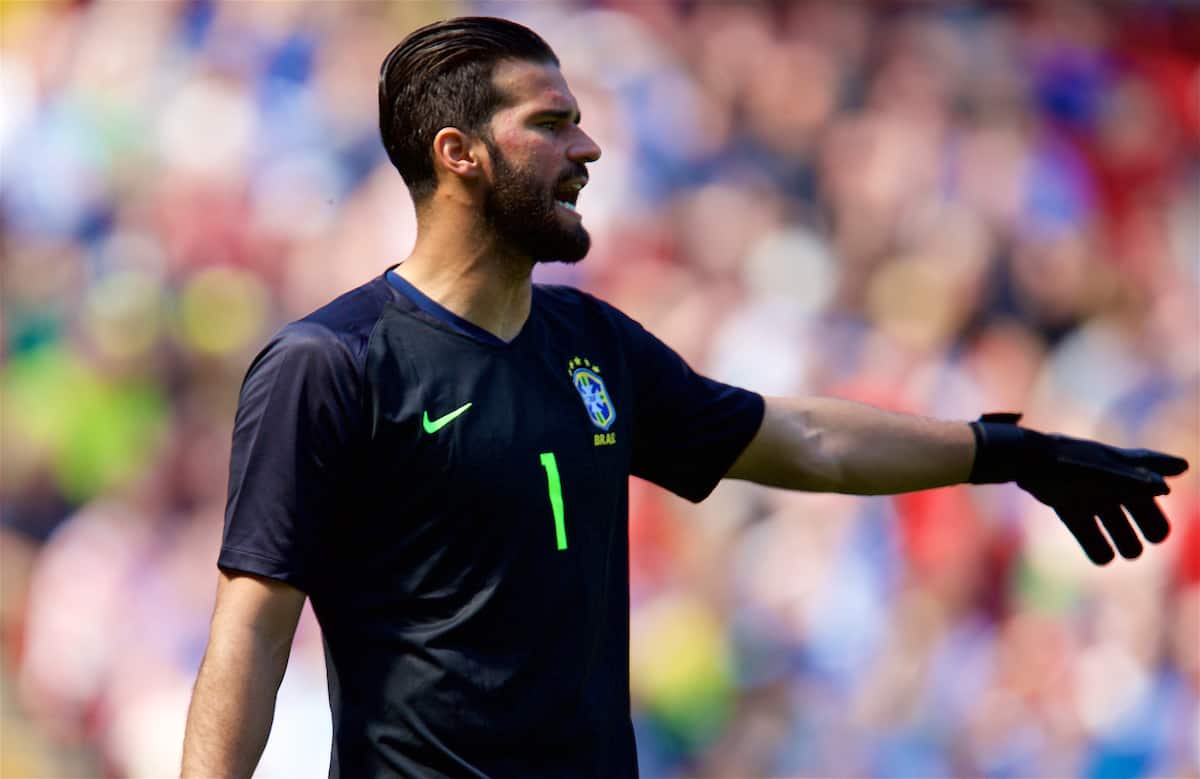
(556, 501)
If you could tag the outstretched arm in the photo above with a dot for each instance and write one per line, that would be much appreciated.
(234, 699)
(830, 445)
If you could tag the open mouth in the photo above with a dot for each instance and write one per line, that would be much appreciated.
(567, 195)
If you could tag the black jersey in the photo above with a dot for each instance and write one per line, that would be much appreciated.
(455, 507)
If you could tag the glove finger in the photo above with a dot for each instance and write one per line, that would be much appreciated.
(1152, 484)
(1083, 526)
(1116, 475)
(1159, 462)
(1149, 518)
(1120, 531)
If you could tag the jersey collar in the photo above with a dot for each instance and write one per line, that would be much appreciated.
(441, 313)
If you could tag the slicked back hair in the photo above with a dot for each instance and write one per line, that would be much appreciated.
(441, 76)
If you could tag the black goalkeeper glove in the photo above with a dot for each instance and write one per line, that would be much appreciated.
(1081, 480)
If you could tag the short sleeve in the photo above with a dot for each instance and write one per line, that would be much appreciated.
(688, 429)
(298, 418)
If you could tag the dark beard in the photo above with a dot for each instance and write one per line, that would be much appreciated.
(523, 216)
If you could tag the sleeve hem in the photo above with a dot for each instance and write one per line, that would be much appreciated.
(704, 489)
(257, 565)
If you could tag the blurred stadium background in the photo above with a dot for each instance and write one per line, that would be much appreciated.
(939, 208)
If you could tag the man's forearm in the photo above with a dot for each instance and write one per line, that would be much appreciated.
(232, 707)
(832, 445)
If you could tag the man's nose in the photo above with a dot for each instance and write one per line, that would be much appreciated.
(583, 148)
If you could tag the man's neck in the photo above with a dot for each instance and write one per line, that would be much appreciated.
(464, 270)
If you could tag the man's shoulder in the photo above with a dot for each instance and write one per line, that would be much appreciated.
(577, 309)
(345, 321)
(353, 311)
(569, 300)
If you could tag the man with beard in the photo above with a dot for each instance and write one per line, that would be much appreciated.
(439, 459)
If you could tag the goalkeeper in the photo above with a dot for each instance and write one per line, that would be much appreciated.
(439, 460)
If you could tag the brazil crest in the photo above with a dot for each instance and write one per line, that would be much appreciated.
(587, 382)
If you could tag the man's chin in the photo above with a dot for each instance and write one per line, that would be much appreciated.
(549, 237)
(571, 250)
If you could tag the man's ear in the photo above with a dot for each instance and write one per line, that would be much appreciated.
(459, 153)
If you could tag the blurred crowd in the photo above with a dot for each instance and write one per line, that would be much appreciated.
(937, 209)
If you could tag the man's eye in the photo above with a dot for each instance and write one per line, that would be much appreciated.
(549, 124)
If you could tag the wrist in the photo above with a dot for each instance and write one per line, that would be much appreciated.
(1003, 449)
